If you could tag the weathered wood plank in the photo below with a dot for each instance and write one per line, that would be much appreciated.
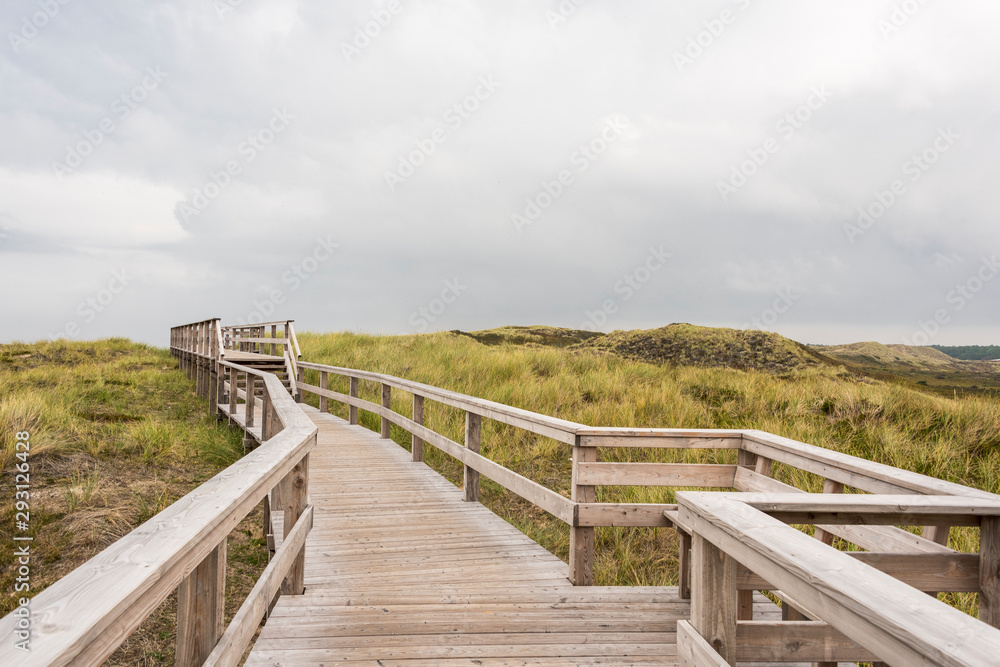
(201, 601)
(473, 434)
(657, 474)
(795, 641)
(623, 514)
(693, 650)
(989, 572)
(861, 602)
(714, 604)
(581, 538)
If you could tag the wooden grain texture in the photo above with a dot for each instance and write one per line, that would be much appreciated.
(581, 538)
(694, 651)
(958, 573)
(201, 601)
(805, 641)
(229, 650)
(714, 603)
(989, 572)
(470, 477)
(623, 514)
(895, 622)
(657, 474)
(416, 442)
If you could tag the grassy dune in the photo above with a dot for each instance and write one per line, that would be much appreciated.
(117, 434)
(954, 439)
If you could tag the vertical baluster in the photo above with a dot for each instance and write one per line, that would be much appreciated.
(473, 435)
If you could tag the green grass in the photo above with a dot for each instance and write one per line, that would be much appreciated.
(825, 405)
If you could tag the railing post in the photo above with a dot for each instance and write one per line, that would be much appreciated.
(744, 599)
(300, 378)
(324, 379)
(293, 492)
(713, 597)
(274, 334)
(417, 443)
(201, 601)
(829, 486)
(352, 411)
(473, 436)
(386, 402)
(989, 571)
(581, 539)
(251, 399)
(266, 420)
(233, 391)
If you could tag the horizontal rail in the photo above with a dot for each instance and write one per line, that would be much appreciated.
(558, 506)
(892, 620)
(558, 429)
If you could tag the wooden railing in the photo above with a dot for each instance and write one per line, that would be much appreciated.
(82, 618)
(855, 612)
(914, 562)
(733, 541)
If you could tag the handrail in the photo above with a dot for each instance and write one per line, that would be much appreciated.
(83, 617)
(856, 602)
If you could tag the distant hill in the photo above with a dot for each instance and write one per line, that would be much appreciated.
(687, 344)
(889, 355)
(971, 352)
(533, 335)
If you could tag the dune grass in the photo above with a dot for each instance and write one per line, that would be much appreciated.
(953, 439)
(117, 434)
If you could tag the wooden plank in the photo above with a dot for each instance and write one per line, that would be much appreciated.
(473, 431)
(229, 650)
(989, 572)
(201, 601)
(872, 538)
(958, 573)
(657, 474)
(851, 470)
(581, 539)
(861, 602)
(873, 509)
(829, 486)
(352, 410)
(416, 442)
(795, 641)
(623, 514)
(294, 492)
(713, 596)
(681, 440)
(324, 379)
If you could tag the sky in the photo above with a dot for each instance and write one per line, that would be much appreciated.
(825, 170)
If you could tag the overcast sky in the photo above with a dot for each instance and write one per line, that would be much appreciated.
(827, 170)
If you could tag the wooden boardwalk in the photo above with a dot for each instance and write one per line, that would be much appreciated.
(399, 570)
